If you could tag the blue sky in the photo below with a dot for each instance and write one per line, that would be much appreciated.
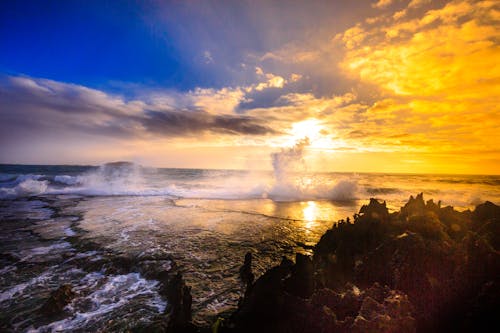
(89, 42)
(394, 85)
(173, 44)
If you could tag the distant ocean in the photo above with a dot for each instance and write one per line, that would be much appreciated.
(122, 178)
(204, 220)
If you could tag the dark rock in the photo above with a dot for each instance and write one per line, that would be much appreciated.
(483, 312)
(343, 304)
(391, 314)
(264, 302)
(57, 300)
(179, 304)
(119, 265)
(375, 210)
(428, 225)
(486, 222)
(246, 274)
(414, 206)
(485, 212)
(426, 268)
(301, 282)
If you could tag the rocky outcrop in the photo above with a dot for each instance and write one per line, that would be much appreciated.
(426, 268)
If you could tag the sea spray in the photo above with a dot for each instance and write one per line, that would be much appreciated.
(116, 178)
(289, 160)
(293, 182)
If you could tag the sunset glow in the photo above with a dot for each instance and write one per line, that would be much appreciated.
(403, 86)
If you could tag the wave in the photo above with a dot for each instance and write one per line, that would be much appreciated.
(23, 185)
(134, 180)
(289, 181)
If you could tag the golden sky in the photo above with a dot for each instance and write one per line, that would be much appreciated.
(394, 86)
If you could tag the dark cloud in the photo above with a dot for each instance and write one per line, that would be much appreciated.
(187, 122)
(36, 108)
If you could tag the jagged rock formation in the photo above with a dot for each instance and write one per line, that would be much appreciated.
(426, 268)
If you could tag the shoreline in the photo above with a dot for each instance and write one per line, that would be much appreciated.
(425, 268)
(352, 281)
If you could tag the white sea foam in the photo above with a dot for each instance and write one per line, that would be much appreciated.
(44, 251)
(68, 180)
(24, 185)
(115, 293)
(288, 182)
(19, 288)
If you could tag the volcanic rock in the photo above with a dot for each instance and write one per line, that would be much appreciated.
(57, 300)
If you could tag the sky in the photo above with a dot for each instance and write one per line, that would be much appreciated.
(407, 86)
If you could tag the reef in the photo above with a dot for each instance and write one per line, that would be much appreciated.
(425, 268)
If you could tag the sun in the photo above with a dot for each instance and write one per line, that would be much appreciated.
(312, 129)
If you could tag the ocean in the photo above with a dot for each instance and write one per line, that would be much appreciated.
(61, 223)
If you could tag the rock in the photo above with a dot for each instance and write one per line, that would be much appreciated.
(414, 206)
(485, 212)
(428, 225)
(343, 304)
(375, 210)
(486, 222)
(390, 311)
(179, 304)
(246, 274)
(301, 283)
(57, 300)
(426, 268)
(264, 302)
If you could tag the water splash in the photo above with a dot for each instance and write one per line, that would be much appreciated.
(293, 182)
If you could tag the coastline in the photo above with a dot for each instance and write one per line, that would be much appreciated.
(422, 268)
(425, 268)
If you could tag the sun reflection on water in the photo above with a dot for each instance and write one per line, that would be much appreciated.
(310, 213)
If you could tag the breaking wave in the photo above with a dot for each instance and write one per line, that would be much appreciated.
(289, 181)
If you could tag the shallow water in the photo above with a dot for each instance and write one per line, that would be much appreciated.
(204, 220)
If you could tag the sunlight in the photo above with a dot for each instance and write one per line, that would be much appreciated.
(310, 128)
(313, 130)
(310, 213)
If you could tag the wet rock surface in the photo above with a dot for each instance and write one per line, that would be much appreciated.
(425, 268)
(57, 301)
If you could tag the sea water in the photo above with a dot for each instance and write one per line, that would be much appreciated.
(203, 220)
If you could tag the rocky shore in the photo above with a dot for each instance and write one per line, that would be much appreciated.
(425, 268)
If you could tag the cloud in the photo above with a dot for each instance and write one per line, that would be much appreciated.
(454, 56)
(183, 123)
(382, 3)
(423, 82)
(39, 107)
(417, 77)
(418, 3)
